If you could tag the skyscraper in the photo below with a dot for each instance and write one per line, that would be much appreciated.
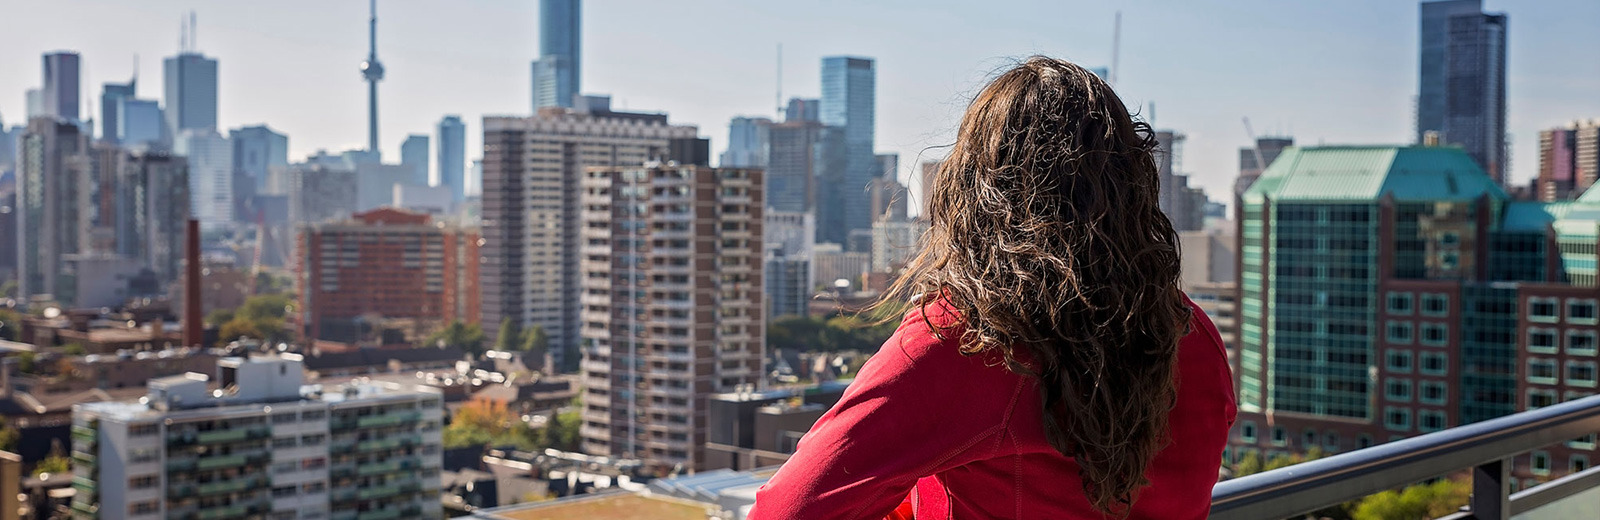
(801, 109)
(557, 71)
(152, 209)
(140, 123)
(61, 84)
(52, 172)
(690, 239)
(1249, 171)
(791, 240)
(1184, 205)
(256, 151)
(35, 102)
(531, 172)
(414, 154)
(748, 140)
(848, 102)
(794, 161)
(111, 98)
(191, 93)
(210, 176)
(1461, 91)
(1569, 160)
(453, 156)
(372, 71)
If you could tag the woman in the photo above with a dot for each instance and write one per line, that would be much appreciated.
(1050, 367)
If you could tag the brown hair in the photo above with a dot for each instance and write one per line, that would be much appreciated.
(1046, 235)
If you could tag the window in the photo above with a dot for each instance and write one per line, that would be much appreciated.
(1543, 310)
(1586, 442)
(1400, 303)
(142, 430)
(1540, 398)
(1397, 390)
(144, 508)
(1541, 463)
(1434, 364)
(1581, 343)
(285, 467)
(1580, 310)
(1398, 419)
(1247, 431)
(1363, 441)
(144, 482)
(1577, 463)
(316, 463)
(283, 491)
(313, 439)
(1542, 340)
(312, 488)
(1399, 361)
(1310, 439)
(1435, 304)
(283, 418)
(1430, 420)
(1433, 392)
(1398, 332)
(1279, 436)
(1330, 441)
(1542, 371)
(313, 415)
(1435, 334)
(1581, 373)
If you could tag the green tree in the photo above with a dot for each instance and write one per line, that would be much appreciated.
(219, 317)
(8, 289)
(535, 342)
(8, 436)
(26, 363)
(467, 337)
(74, 349)
(561, 431)
(55, 464)
(1421, 501)
(10, 324)
(264, 306)
(506, 340)
(487, 424)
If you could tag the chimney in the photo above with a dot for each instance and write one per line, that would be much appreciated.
(193, 328)
(6, 365)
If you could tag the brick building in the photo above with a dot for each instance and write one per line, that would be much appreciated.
(384, 264)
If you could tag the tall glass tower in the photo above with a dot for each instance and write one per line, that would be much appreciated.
(556, 72)
(1461, 91)
(453, 156)
(191, 93)
(848, 103)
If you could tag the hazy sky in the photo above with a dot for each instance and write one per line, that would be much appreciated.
(1325, 72)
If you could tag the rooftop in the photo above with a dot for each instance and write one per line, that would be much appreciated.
(1407, 173)
(611, 506)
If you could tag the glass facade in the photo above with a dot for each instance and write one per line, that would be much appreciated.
(1488, 351)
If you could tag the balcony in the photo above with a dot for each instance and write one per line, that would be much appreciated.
(84, 435)
(1486, 448)
(393, 418)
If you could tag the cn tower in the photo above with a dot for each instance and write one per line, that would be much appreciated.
(373, 72)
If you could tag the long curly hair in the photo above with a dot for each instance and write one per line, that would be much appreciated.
(1046, 235)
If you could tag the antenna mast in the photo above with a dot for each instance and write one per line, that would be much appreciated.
(1116, 49)
(780, 81)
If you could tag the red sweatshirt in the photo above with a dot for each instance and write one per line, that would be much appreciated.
(921, 409)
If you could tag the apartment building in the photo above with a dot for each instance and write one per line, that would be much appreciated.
(672, 305)
(258, 442)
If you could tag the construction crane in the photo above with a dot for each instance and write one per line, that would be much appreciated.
(1255, 147)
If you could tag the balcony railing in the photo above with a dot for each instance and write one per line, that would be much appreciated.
(1486, 448)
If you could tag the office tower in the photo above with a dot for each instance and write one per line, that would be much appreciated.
(556, 73)
(266, 444)
(140, 123)
(53, 169)
(152, 207)
(98, 198)
(848, 91)
(320, 192)
(1461, 91)
(35, 103)
(112, 96)
(894, 243)
(531, 231)
(210, 176)
(387, 263)
(1184, 205)
(748, 143)
(256, 151)
(833, 265)
(790, 239)
(372, 71)
(452, 156)
(925, 178)
(1387, 292)
(1209, 256)
(191, 93)
(475, 179)
(375, 184)
(794, 161)
(414, 154)
(1270, 148)
(1569, 160)
(59, 96)
(801, 109)
(886, 194)
(685, 240)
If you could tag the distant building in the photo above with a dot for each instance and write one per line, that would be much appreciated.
(140, 123)
(1249, 170)
(894, 243)
(790, 280)
(801, 109)
(532, 169)
(433, 200)
(794, 160)
(557, 72)
(758, 429)
(53, 170)
(889, 200)
(452, 156)
(112, 96)
(153, 195)
(1569, 160)
(191, 93)
(652, 361)
(384, 263)
(1461, 88)
(97, 280)
(210, 176)
(60, 94)
(256, 151)
(748, 142)
(319, 193)
(1183, 204)
(849, 91)
(256, 440)
(1208, 256)
(834, 264)
(375, 184)
(414, 154)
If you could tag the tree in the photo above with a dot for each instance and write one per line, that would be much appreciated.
(219, 317)
(10, 324)
(535, 342)
(8, 436)
(467, 337)
(561, 431)
(1432, 500)
(25, 362)
(481, 423)
(74, 349)
(55, 464)
(507, 338)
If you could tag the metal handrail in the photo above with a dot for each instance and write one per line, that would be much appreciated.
(1486, 447)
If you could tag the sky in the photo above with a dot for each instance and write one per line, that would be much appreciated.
(1324, 72)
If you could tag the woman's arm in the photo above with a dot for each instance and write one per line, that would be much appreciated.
(917, 407)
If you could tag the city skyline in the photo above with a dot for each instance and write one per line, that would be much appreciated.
(1351, 80)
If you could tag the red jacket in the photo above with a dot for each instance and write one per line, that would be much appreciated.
(921, 409)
